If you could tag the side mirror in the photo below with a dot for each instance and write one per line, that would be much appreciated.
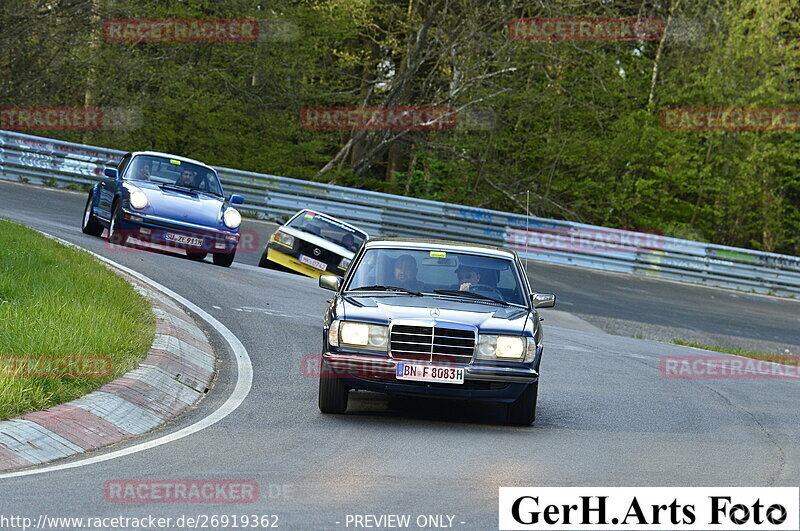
(236, 199)
(111, 173)
(331, 282)
(543, 300)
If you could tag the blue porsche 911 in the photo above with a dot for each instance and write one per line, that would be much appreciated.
(168, 200)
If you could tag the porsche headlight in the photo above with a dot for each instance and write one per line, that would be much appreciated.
(345, 263)
(283, 239)
(138, 199)
(495, 347)
(232, 218)
(368, 336)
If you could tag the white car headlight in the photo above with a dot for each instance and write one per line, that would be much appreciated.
(283, 239)
(333, 334)
(345, 263)
(232, 218)
(492, 347)
(138, 199)
(372, 337)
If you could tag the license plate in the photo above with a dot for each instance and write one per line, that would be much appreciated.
(313, 263)
(182, 239)
(429, 373)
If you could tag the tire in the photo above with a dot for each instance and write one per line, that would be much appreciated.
(523, 411)
(115, 234)
(223, 259)
(196, 256)
(90, 225)
(263, 262)
(333, 393)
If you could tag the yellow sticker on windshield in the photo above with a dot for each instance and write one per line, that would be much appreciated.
(438, 254)
(173, 161)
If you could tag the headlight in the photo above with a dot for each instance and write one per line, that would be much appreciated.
(491, 347)
(333, 334)
(345, 263)
(371, 337)
(232, 218)
(138, 199)
(283, 239)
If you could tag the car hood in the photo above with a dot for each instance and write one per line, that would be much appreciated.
(318, 241)
(487, 318)
(197, 208)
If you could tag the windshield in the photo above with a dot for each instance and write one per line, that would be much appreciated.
(439, 272)
(329, 229)
(163, 170)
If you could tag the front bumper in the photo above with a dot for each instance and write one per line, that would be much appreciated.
(290, 262)
(154, 229)
(377, 373)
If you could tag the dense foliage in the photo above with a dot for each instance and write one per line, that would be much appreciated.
(576, 125)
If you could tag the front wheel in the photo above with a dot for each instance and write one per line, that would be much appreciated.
(90, 224)
(523, 411)
(264, 261)
(196, 256)
(224, 259)
(115, 234)
(333, 393)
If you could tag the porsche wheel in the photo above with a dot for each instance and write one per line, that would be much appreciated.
(115, 234)
(196, 256)
(90, 224)
(224, 259)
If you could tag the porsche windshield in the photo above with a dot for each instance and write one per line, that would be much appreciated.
(438, 272)
(328, 229)
(163, 170)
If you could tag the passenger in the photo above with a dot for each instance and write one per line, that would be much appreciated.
(405, 273)
(144, 172)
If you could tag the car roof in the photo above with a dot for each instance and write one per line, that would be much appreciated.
(449, 245)
(170, 156)
(324, 215)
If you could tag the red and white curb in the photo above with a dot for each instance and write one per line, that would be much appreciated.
(175, 375)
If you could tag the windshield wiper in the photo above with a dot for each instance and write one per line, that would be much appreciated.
(188, 189)
(469, 294)
(386, 288)
(178, 187)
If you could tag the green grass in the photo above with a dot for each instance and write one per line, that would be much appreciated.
(57, 301)
(785, 359)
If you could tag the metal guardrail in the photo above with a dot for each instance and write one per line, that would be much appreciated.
(47, 161)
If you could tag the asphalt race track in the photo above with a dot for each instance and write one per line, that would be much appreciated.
(606, 416)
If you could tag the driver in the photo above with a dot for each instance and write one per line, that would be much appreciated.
(186, 178)
(349, 243)
(405, 272)
(468, 277)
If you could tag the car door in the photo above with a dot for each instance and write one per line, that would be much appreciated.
(108, 188)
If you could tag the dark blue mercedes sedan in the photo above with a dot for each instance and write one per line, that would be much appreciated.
(168, 200)
(433, 319)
